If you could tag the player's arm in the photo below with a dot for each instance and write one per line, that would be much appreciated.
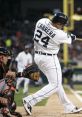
(63, 38)
(66, 37)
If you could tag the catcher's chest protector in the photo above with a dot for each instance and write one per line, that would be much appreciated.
(2, 72)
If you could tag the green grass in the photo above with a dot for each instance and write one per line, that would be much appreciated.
(78, 87)
(32, 89)
(67, 90)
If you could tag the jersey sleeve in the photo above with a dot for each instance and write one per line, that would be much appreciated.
(63, 37)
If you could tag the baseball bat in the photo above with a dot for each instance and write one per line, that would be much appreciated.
(79, 39)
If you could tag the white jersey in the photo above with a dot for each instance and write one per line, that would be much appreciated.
(23, 60)
(48, 38)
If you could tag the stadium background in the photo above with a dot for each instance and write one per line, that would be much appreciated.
(17, 22)
(18, 18)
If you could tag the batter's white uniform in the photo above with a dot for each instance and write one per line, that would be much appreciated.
(47, 40)
(23, 60)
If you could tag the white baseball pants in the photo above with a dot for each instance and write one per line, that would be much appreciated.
(50, 66)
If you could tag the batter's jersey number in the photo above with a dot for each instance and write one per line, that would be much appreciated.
(44, 40)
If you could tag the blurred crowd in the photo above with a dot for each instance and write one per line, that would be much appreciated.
(16, 35)
(74, 51)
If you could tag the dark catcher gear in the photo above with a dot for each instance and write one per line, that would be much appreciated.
(7, 87)
(7, 103)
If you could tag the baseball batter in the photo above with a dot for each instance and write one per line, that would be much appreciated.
(48, 36)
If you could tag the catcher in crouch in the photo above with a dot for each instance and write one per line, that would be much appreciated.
(8, 83)
(7, 86)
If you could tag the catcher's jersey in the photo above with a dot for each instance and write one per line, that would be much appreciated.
(23, 60)
(48, 38)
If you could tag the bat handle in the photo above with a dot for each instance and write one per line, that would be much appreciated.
(79, 39)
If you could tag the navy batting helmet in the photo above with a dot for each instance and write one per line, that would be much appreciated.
(4, 51)
(59, 17)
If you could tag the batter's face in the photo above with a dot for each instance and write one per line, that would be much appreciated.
(59, 26)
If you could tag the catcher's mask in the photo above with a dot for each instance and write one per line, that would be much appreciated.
(4, 51)
(59, 17)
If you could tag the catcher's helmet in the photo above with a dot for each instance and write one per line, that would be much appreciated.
(4, 51)
(59, 17)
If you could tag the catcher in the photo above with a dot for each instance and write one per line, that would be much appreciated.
(7, 86)
(8, 83)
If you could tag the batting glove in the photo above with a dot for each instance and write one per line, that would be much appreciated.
(73, 37)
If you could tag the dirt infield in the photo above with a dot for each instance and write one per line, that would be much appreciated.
(53, 108)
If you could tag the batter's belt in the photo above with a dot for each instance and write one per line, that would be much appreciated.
(41, 53)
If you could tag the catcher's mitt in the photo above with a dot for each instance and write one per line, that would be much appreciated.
(32, 72)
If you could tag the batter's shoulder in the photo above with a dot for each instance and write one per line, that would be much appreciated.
(43, 20)
(61, 32)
